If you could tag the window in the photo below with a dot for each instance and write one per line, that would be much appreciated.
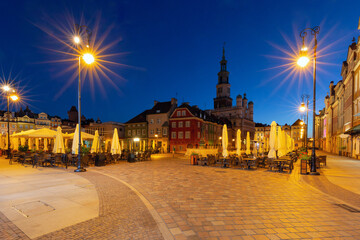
(133, 132)
(143, 132)
(26, 126)
(198, 124)
(178, 113)
(152, 132)
(31, 126)
(181, 135)
(173, 135)
(173, 124)
(151, 121)
(164, 131)
(158, 120)
(21, 126)
(138, 132)
(158, 131)
(356, 81)
(198, 135)
(180, 124)
(2, 125)
(183, 112)
(187, 135)
(187, 124)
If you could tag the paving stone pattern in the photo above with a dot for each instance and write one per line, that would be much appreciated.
(122, 215)
(215, 203)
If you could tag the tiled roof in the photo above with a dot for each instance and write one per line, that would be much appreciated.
(139, 118)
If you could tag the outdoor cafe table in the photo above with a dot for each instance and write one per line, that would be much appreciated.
(249, 161)
(280, 163)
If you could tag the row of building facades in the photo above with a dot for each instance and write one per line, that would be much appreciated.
(337, 125)
(167, 126)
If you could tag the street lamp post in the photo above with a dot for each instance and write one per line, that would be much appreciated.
(303, 61)
(88, 58)
(304, 108)
(10, 95)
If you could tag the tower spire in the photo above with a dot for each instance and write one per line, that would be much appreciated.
(223, 56)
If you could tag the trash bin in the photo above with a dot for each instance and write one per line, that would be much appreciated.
(303, 166)
(131, 157)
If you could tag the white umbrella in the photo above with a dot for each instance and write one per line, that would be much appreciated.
(272, 151)
(281, 143)
(254, 149)
(95, 147)
(248, 143)
(225, 141)
(115, 145)
(261, 149)
(75, 143)
(59, 142)
(238, 142)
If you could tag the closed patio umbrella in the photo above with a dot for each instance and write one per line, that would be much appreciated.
(95, 147)
(281, 143)
(238, 142)
(261, 148)
(75, 143)
(272, 151)
(248, 143)
(59, 142)
(255, 148)
(115, 145)
(224, 141)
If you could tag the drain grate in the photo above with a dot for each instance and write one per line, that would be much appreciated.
(348, 208)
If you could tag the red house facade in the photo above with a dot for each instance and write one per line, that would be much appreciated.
(191, 127)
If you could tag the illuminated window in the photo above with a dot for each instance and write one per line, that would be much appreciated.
(180, 124)
(187, 124)
(187, 135)
(173, 124)
(181, 135)
(173, 135)
(184, 113)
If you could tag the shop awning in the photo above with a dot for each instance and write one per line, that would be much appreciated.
(354, 130)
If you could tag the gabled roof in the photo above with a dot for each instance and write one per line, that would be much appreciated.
(161, 107)
(139, 118)
(197, 112)
(297, 123)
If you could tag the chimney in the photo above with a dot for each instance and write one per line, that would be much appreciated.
(155, 102)
(173, 101)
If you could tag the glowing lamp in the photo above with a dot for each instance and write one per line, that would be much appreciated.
(14, 97)
(6, 88)
(136, 139)
(304, 59)
(302, 107)
(77, 39)
(88, 58)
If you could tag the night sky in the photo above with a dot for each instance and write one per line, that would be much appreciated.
(173, 49)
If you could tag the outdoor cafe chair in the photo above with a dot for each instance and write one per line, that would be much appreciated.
(272, 164)
(289, 164)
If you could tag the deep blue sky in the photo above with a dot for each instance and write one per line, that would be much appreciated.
(176, 47)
